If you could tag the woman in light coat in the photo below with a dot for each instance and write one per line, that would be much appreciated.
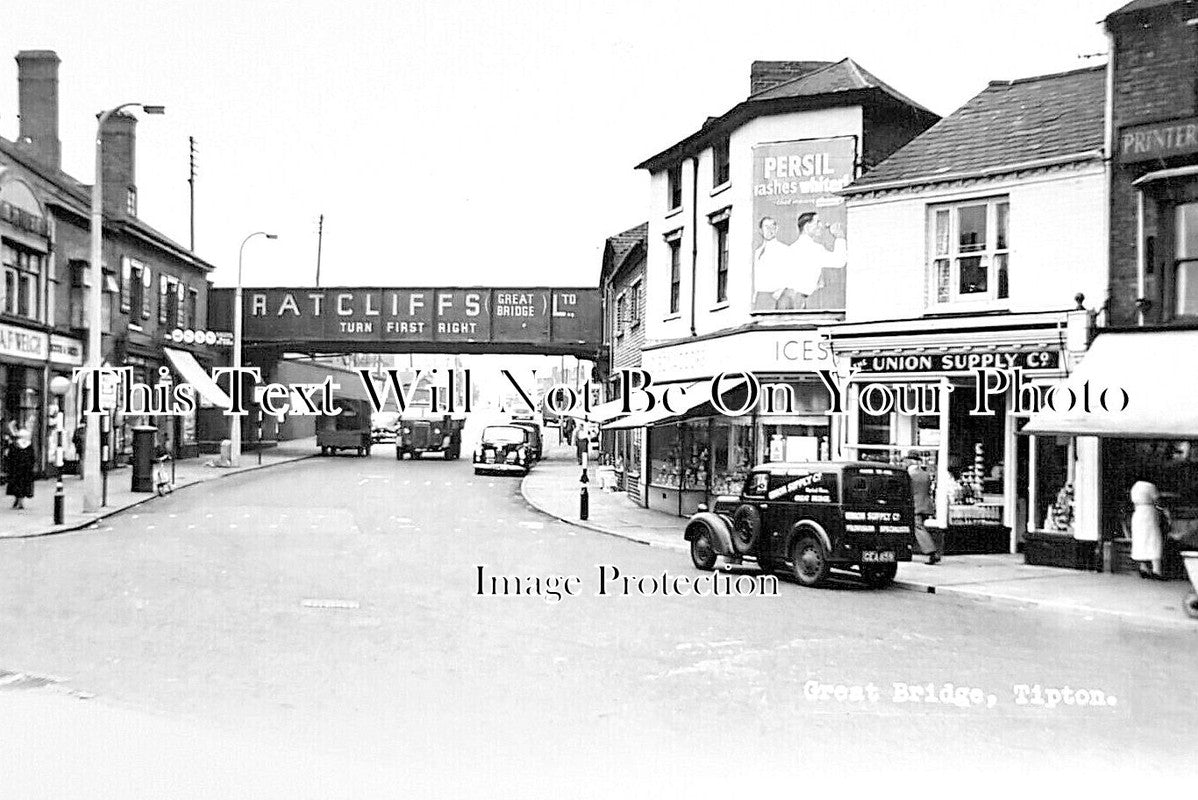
(1147, 530)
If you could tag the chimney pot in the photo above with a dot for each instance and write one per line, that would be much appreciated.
(768, 74)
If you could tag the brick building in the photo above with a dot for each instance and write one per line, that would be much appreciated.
(152, 285)
(1148, 346)
(1154, 185)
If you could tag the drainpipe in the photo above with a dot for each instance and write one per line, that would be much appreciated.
(1108, 156)
(694, 234)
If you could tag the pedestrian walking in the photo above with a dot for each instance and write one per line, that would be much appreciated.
(79, 439)
(567, 430)
(582, 441)
(930, 544)
(20, 468)
(1149, 525)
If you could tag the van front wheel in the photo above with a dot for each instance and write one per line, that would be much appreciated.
(809, 561)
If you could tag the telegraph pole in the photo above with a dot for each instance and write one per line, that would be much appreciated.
(319, 242)
(191, 182)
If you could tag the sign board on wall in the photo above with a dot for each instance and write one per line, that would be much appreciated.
(361, 316)
(799, 244)
(1158, 140)
(959, 362)
(750, 351)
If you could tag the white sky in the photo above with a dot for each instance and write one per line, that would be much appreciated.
(456, 143)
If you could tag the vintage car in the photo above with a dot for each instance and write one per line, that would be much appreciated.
(504, 448)
(349, 430)
(811, 518)
(421, 432)
(384, 426)
(534, 429)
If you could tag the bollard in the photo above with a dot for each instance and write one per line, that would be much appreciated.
(60, 501)
(584, 500)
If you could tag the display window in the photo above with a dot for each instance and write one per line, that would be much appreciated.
(665, 457)
(793, 442)
(1172, 466)
(731, 454)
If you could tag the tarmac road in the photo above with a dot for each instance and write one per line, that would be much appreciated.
(332, 609)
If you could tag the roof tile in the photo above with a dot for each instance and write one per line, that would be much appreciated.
(1008, 123)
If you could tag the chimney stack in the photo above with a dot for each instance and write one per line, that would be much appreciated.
(119, 142)
(37, 80)
(768, 74)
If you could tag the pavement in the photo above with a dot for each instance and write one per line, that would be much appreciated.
(37, 518)
(553, 488)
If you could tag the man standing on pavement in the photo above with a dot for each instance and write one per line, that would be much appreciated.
(931, 545)
(582, 439)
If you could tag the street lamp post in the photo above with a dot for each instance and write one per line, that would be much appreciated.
(95, 305)
(235, 419)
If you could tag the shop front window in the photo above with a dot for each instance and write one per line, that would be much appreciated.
(975, 460)
(665, 456)
(633, 462)
(1185, 269)
(732, 455)
(1172, 466)
(696, 456)
(796, 443)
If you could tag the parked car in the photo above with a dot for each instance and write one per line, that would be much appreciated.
(504, 448)
(537, 442)
(384, 426)
(811, 518)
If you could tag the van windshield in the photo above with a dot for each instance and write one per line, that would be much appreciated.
(876, 487)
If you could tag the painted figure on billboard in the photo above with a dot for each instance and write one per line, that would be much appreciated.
(800, 252)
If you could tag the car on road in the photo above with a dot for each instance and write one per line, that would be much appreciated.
(537, 441)
(421, 432)
(811, 518)
(504, 448)
(384, 426)
(349, 430)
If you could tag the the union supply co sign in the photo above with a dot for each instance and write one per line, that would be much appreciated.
(361, 318)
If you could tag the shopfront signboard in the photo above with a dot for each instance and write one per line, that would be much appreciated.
(65, 350)
(1158, 140)
(749, 351)
(18, 342)
(906, 363)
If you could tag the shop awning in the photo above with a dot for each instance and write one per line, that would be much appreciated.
(200, 380)
(1155, 368)
(693, 402)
